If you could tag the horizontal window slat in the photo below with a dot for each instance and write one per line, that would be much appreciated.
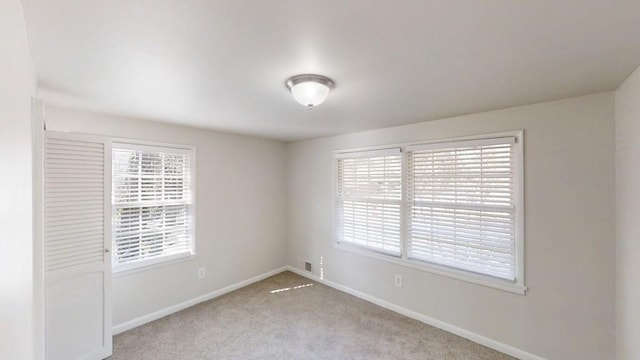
(143, 236)
(418, 217)
(136, 243)
(454, 243)
(466, 257)
(461, 227)
(458, 236)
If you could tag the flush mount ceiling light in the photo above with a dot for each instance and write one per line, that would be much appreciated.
(310, 90)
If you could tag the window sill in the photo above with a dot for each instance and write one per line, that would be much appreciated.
(478, 279)
(129, 269)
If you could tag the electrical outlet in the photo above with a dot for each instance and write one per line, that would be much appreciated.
(398, 280)
(202, 272)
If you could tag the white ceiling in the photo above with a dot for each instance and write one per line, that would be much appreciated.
(222, 64)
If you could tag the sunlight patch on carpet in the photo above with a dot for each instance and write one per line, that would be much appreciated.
(290, 288)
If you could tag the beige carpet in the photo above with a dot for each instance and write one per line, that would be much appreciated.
(290, 317)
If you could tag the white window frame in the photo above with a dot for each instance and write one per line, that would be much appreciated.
(370, 154)
(125, 269)
(517, 286)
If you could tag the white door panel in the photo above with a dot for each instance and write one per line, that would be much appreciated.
(77, 227)
(75, 317)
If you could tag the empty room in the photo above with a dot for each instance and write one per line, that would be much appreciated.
(296, 179)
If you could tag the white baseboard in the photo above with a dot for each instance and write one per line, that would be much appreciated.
(482, 340)
(117, 329)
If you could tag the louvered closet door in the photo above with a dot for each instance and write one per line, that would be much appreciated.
(77, 247)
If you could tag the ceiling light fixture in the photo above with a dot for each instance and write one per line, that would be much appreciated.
(310, 90)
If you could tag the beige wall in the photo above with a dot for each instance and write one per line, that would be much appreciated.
(568, 312)
(17, 85)
(240, 191)
(627, 116)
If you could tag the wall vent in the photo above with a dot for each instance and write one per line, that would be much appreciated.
(307, 266)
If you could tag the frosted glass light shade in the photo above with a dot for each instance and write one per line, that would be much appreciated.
(310, 93)
(310, 90)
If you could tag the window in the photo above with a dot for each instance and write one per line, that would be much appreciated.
(369, 198)
(451, 207)
(151, 204)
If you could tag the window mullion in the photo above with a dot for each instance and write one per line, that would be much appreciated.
(404, 208)
(163, 158)
(140, 222)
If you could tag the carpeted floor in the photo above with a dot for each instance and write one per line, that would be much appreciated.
(290, 317)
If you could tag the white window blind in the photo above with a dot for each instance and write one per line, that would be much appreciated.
(461, 206)
(151, 202)
(369, 200)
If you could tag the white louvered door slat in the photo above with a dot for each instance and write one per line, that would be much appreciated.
(461, 206)
(76, 246)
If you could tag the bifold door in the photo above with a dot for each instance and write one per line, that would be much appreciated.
(77, 245)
